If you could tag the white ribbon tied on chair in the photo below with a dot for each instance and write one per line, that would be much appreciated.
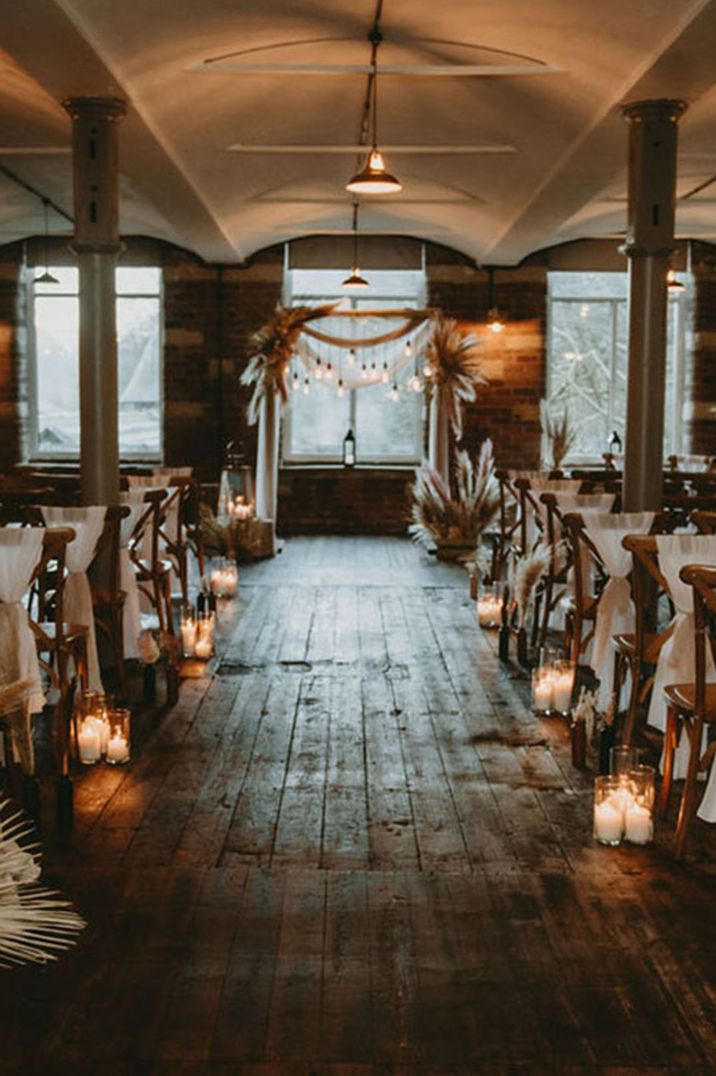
(20, 552)
(78, 609)
(676, 659)
(131, 612)
(615, 611)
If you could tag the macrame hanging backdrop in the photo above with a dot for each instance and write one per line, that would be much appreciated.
(414, 323)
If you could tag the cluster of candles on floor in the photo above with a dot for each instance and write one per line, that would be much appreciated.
(197, 633)
(103, 731)
(624, 800)
(224, 578)
(489, 607)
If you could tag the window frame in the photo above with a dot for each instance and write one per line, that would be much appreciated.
(35, 454)
(298, 459)
(677, 309)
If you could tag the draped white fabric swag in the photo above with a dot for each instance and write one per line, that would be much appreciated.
(87, 523)
(676, 659)
(20, 552)
(615, 611)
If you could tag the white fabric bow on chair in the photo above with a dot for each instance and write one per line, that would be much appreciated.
(87, 523)
(676, 659)
(615, 611)
(20, 553)
(131, 612)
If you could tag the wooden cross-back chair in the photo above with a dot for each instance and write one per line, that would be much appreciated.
(152, 570)
(691, 706)
(508, 519)
(581, 615)
(639, 652)
(107, 594)
(179, 529)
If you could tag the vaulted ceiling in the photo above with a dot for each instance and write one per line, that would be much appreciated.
(501, 119)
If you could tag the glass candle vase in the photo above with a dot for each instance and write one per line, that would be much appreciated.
(639, 812)
(204, 645)
(622, 759)
(489, 606)
(608, 810)
(188, 630)
(118, 745)
(224, 578)
(563, 673)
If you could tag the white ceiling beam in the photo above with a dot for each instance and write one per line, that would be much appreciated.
(422, 150)
(401, 70)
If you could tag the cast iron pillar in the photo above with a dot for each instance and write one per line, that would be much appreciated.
(649, 245)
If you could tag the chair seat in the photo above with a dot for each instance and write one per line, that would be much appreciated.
(625, 643)
(72, 633)
(683, 697)
(148, 569)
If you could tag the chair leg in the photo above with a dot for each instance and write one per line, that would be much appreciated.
(31, 796)
(671, 739)
(630, 722)
(617, 672)
(688, 797)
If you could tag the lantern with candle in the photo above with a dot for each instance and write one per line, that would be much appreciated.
(639, 811)
(204, 645)
(188, 630)
(224, 578)
(119, 737)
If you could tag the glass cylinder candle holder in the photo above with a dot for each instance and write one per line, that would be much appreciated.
(608, 810)
(639, 811)
(119, 738)
(188, 630)
(563, 673)
(543, 682)
(489, 606)
(204, 645)
(622, 759)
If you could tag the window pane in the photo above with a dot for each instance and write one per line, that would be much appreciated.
(139, 375)
(386, 429)
(580, 370)
(319, 421)
(56, 336)
(136, 281)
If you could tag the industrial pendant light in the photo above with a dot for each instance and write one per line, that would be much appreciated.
(373, 177)
(46, 277)
(672, 283)
(355, 281)
(494, 321)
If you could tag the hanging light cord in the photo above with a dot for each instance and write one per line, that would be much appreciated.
(369, 110)
(355, 234)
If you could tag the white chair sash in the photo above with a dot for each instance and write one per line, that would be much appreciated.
(131, 614)
(615, 611)
(87, 522)
(676, 658)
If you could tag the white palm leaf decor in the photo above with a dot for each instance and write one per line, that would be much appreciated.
(36, 924)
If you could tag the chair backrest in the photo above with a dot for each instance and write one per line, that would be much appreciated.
(148, 524)
(702, 580)
(48, 583)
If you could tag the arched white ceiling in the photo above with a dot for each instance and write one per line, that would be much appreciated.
(255, 148)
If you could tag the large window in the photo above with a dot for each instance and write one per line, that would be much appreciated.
(587, 358)
(54, 395)
(386, 417)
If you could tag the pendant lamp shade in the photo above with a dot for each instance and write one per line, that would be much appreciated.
(373, 178)
(354, 281)
(46, 277)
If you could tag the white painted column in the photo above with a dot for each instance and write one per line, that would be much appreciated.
(649, 245)
(267, 457)
(439, 445)
(97, 243)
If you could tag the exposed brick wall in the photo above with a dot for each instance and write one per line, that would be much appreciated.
(336, 500)
(700, 373)
(507, 408)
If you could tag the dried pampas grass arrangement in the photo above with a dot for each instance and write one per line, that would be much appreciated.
(36, 924)
(454, 360)
(439, 517)
(528, 571)
(559, 432)
(275, 343)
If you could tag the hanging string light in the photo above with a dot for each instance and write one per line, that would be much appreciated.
(318, 369)
(373, 177)
(329, 372)
(340, 390)
(394, 394)
(296, 382)
(494, 321)
(306, 386)
(385, 374)
(363, 372)
(351, 357)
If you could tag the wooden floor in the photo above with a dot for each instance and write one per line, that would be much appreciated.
(354, 850)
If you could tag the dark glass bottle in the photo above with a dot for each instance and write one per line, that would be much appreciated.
(205, 599)
(615, 443)
(349, 449)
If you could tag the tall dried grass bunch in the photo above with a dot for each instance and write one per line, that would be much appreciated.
(454, 359)
(438, 515)
(528, 571)
(275, 343)
(559, 432)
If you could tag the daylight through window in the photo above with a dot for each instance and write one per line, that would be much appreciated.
(55, 419)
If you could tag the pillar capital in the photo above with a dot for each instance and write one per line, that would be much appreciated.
(654, 110)
(95, 108)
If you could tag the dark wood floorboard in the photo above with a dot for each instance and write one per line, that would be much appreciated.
(351, 849)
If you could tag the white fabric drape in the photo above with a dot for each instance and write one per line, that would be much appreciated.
(267, 457)
(582, 502)
(676, 659)
(615, 611)
(87, 523)
(439, 442)
(131, 613)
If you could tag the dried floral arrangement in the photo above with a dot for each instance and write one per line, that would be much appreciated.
(454, 361)
(559, 432)
(215, 535)
(439, 516)
(586, 711)
(275, 343)
(36, 924)
(528, 570)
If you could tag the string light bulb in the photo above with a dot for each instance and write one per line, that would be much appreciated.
(340, 390)
(394, 394)
(415, 383)
(306, 386)
(428, 370)
(351, 357)
(363, 372)
(329, 372)
(385, 374)
(296, 384)
(408, 350)
(318, 371)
